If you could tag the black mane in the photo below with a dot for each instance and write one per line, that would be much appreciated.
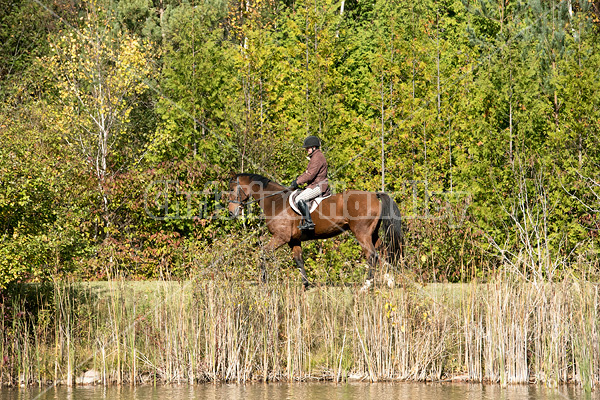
(255, 178)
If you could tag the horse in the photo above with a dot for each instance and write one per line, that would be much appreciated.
(361, 212)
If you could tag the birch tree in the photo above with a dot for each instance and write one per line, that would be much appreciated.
(99, 73)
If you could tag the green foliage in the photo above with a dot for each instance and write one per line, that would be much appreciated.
(121, 121)
(335, 261)
(39, 210)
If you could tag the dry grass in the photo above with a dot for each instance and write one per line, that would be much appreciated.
(505, 331)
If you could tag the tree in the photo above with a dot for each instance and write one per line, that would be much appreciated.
(99, 75)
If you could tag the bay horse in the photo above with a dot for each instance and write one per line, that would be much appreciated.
(361, 212)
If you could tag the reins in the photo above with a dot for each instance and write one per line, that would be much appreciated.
(253, 200)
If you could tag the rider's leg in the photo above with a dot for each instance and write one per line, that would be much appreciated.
(307, 222)
(302, 202)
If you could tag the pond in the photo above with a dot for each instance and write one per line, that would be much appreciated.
(301, 391)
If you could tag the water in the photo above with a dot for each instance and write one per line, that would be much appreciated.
(302, 391)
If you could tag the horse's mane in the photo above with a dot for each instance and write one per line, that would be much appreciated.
(256, 178)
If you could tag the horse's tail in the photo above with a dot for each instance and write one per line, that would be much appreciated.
(391, 222)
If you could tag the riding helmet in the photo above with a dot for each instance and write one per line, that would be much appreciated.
(311, 141)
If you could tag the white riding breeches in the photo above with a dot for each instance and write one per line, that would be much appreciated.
(308, 194)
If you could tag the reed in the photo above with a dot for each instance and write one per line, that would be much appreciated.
(505, 331)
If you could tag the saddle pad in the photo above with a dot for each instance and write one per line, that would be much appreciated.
(313, 204)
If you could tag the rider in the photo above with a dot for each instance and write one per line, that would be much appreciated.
(315, 178)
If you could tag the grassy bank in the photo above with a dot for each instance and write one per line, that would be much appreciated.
(505, 331)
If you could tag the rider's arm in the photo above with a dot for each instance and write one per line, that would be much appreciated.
(314, 165)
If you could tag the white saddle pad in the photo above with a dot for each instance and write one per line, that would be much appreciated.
(313, 204)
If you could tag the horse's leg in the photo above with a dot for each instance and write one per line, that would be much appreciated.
(297, 254)
(380, 248)
(372, 260)
(366, 242)
(377, 242)
(266, 252)
(383, 258)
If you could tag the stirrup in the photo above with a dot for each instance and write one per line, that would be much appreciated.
(307, 226)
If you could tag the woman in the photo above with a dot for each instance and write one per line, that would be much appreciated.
(315, 178)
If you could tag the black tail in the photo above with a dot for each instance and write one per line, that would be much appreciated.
(391, 222)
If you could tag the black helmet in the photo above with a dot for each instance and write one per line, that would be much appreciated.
(311, 141)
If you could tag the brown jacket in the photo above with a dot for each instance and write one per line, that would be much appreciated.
(316, 173)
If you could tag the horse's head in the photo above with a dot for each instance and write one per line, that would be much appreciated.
(237, 197)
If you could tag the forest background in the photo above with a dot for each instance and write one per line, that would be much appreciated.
(120, 122)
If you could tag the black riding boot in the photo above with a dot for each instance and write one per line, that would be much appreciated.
(307, 223)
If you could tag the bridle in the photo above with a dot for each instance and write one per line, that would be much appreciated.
(242, 203)
(238, 188)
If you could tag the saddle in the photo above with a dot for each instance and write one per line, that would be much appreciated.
(312, 204)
